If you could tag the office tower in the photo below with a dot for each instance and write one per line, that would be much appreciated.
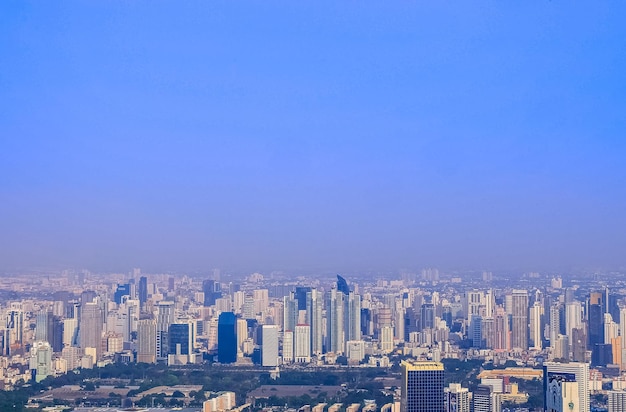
(226, 338)
(566, 383)
(475, 333)
(70, 332)
(519, 319)
(242, 333)
(352, 321)
(314, 303)
(386, 339)
(165, 317)
(57, 334)
(427, 316)
(602, 354)
(132, 313)
(146, 341)
(483, 398)
(290, 312)
(473, 300)
(573, 319)
(181, 338)
(535, 326)
(611, 329)
(288, 346)
(617, 401)
(595, 316)
(43, 326)
(41, 361)
(90, 329)
(579, 345)
(143, 290)
(335, 322)
(122, 290)
(555, 321)
(422, 387)
(269, 348)
(248, 307)
(398, 323)
(300, 294)
(14, 330)
(302, 335)
(488, 326)
(342, 285)
(456, 398)
(261, 300)
(212, 290)
(490, 303)
(502, 335)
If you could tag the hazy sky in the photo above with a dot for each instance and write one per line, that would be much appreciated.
(278, 135)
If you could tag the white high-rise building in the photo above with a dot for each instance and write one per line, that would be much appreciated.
(456, 398)
(70, 332)
(611, 329)
(303, 344)
(269, 349)
(288, 346)
(41, 360)
(617, 401)
(567, 386)
(386, 339)
(535, 325)
(573, 319)
(519, 319)
(146, 341)
(335, 322)
(314, 303)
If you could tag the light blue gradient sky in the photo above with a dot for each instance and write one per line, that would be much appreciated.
(340, 135)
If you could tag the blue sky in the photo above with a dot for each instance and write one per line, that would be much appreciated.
(312, 135)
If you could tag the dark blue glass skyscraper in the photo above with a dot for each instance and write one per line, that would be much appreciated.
(227, 338)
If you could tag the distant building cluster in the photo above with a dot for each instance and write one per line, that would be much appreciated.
(575, 332)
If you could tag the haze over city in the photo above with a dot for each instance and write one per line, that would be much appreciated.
(289, 136)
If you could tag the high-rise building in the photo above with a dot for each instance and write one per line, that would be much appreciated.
(123, 289)
(422, 387)
(535, 326)
(352, 321)
(519, 319)
(212, 290)
(91, 328)
(483, 398)
(143, 290)
(226, 338)
(456, 398)
(269, 348)
(617, 401)
(288, 346)
(314, 303)
(146, 341)
(181, 338)
(165, 317)
(427, 316)
(566, 386)
(302, 343)
(14, 330)
(335, 322)
(41, 360)
(573, 319)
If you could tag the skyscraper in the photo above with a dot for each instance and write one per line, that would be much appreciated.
(146, 341)
(143, 290)
(422, 387)
(519, 319)
(566, 386)
(226, 338)
(91, 328)
(314, 305)
(165, 317)
(335, 322)
(269, 348)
